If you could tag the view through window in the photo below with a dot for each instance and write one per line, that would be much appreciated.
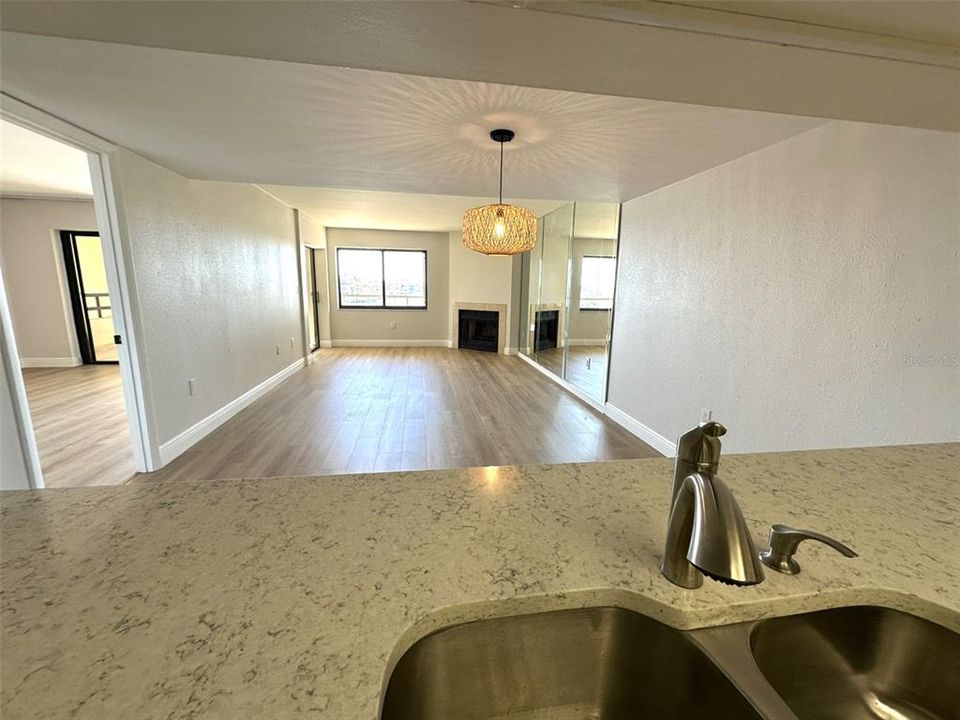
(382, 278)
(597, 276)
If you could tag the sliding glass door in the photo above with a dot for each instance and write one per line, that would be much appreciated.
(89, 296)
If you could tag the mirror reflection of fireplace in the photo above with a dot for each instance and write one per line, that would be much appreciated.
(548, 325)
(479, 330)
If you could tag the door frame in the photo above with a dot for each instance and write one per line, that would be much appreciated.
(314, 297)
(120, 282)
(78, 296)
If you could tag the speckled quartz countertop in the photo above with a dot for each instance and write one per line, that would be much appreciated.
(293, 597)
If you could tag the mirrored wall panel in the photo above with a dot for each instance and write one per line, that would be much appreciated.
(567, 294)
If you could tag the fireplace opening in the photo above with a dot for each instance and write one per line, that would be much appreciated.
(548, 325)
(479, 330)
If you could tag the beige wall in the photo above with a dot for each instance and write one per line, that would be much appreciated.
(356, 326)
(808, 293)
(36, 285)
(587, 325)
(216, 287)
(479, 278)
(13, 462)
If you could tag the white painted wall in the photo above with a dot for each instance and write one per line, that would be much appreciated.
(13, 464)
(413, 327)
(216, 285)
(479, 278)
(36, 285)
(19, 460)
(807, 293)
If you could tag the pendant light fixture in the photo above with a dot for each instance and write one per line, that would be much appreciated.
(500, 229)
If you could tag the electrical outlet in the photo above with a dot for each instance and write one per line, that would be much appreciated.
(291, 343)
(192, 386)
(278, 349)
(393, 325)
(706, 415)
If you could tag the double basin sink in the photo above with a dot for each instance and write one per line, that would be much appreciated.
(605, 663)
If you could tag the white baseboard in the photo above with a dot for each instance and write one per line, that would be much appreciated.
(583, 342)
(325, 343)
(569, 387)
(50, 362)
(391, 343)
(650, 436)
(195, 433)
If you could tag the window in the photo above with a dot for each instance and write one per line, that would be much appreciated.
(382, 278)
(597, 276)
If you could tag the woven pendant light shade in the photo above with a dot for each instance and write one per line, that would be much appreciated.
(499, 229)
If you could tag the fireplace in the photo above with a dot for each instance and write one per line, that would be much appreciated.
(548, 325)
(479, 330)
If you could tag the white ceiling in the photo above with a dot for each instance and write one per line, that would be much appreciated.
(388, 210)
(662, 50)
(32, 165)
(280, 123)
(934, 21)
(431, 213)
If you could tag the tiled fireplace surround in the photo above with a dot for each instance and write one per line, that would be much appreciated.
(501, 311)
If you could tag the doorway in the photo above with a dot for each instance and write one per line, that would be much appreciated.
(86, 274)
(74, 390)
(318, 313)
(313, 301)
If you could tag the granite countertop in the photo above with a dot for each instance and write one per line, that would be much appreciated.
(293, 597)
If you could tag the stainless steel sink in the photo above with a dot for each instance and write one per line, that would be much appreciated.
(854, 663)
(861, 663)
(602, 663)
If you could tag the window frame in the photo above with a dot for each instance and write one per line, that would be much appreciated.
(383, 280)
(580, 307)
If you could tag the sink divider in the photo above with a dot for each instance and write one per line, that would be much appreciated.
(728, 646)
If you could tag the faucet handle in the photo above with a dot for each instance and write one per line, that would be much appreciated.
(712, 428)
(783, 545)
(700, 448)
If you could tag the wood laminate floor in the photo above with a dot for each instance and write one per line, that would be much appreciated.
(80, 423)
(383, 409)
(586, 367)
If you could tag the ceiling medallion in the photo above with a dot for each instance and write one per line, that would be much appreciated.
(500, 229)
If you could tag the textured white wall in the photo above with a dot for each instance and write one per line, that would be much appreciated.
(217, 287)
(13, 463)
(479, 278)
(411, 325)
(807, 293)
(36, 286)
